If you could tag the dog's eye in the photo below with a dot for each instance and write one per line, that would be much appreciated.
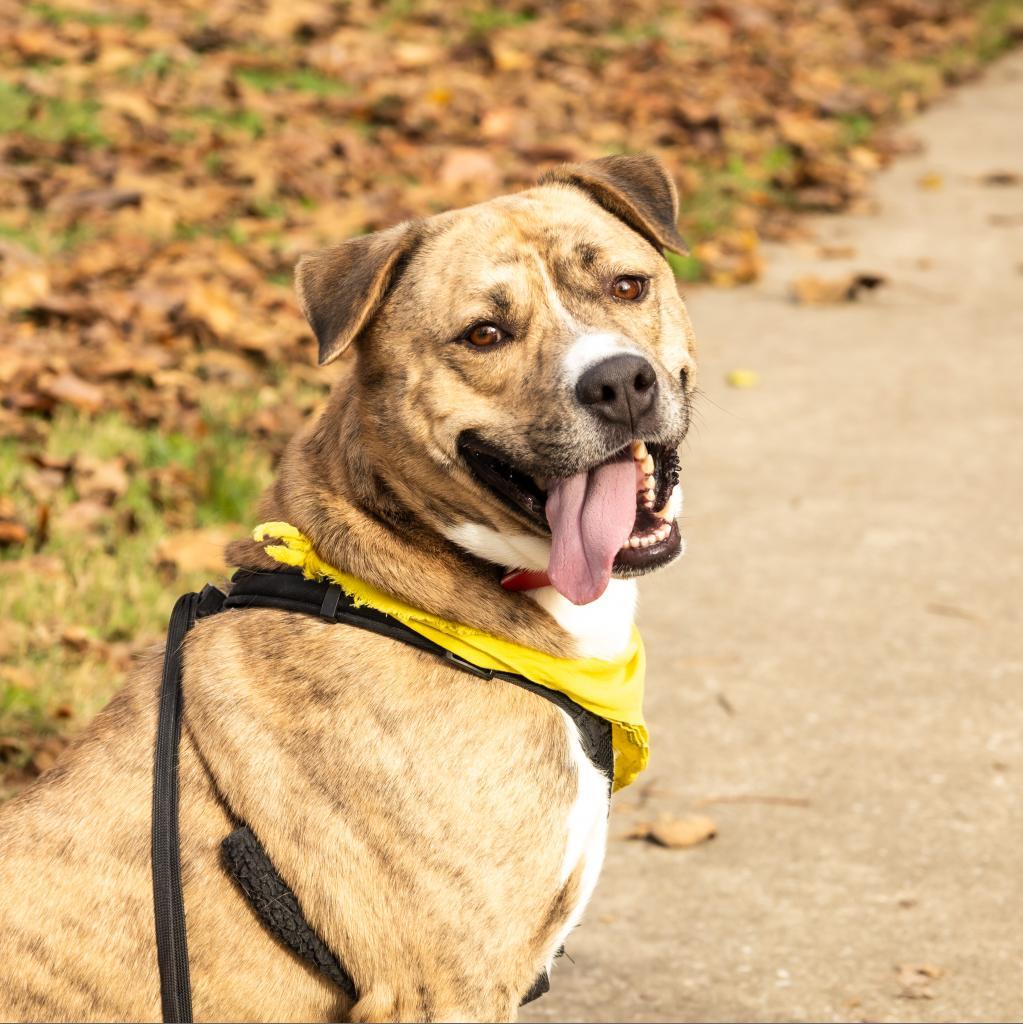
(629, 288)
(485, 334)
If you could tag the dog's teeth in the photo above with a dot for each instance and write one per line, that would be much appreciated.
(648, 465)
(649, 495)
(672, 506)
(639, 450)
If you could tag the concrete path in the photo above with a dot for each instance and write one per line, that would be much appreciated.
(845, 632)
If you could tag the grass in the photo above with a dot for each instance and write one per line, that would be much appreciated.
(40, 236)
(62, 15)
(249, 121)
(685, 268)
(269, 79)
(47, 119)
(102, 580)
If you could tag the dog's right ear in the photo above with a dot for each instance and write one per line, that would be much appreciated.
(340, 288)
(636, 189)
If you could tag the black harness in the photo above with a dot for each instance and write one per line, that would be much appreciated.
(243, 856)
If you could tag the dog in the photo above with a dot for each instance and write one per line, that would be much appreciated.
(522, 378)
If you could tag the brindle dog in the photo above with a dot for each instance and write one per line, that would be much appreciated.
(441, 832)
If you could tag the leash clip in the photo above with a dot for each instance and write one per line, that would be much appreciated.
(468, 666)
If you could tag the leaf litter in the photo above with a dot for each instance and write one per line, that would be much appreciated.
(163, 165)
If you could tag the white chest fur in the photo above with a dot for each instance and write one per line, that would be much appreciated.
(601, 629)
(586, 829)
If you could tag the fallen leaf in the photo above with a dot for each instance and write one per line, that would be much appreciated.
(676, 833)
(509, 58)
(810, 290)
(196, 550)
(12, 533)
(100, 480)
(75, 638)
(72, 390)
(914, 980)
(836, 252)
(24, 287)
(1001, 178)
(466, 166)
(742, 378)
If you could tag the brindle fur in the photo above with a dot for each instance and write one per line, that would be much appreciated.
(418, 813)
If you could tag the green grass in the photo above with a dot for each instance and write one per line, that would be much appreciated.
(50, 120)
(249, 121)
(103, 578)
(270, 79)
(856, 129)
(62, 15)
(484, 19)
(40, 236)
(685, 268)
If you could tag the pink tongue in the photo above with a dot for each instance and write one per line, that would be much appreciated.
(591, 516)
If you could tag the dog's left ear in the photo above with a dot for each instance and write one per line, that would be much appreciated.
(635, 189)
(340, 288)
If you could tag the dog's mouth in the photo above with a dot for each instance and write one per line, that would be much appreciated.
(617, 517)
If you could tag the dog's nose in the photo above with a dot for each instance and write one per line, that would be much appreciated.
(621, 389)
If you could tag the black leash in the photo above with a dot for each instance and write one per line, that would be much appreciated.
(168, 904)
(244, 857)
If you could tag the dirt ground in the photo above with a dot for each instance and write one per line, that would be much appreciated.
(844, 632)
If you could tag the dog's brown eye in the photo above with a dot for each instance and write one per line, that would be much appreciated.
(628, 289)
(484, 334)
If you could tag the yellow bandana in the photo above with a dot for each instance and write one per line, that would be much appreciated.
(612, 690)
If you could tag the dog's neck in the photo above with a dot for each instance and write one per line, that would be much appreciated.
(601, 629)
(334, 485)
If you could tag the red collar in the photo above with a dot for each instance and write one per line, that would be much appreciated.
(525, 579)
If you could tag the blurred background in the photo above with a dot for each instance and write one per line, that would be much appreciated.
(162, 165)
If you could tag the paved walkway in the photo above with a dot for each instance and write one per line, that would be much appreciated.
(845, 630)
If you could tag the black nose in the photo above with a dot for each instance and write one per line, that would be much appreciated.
(622, 389)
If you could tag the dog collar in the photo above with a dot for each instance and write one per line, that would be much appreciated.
(613, 690)
(525, 579)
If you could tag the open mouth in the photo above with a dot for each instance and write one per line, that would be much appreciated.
(617, 517)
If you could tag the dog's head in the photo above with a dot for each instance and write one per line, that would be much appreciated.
(526, 367)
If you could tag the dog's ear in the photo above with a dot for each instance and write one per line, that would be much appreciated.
(340, 288)
(636, 189)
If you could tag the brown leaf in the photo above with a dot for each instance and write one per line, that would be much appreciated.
(97, 199)
(466, 166)
(100, 480)
(1001, 178)
(75, 638)
(214, 305)
(72, 390)
(82, 516)
(23, 287)
(811, 290)
(196, 550)
(676, 833)
(12, 533)
(914, 980)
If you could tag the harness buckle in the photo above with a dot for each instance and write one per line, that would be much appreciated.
(468, 666)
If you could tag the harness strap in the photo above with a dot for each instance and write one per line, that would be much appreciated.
(244, 857)
(168, 905)
(289, 590)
